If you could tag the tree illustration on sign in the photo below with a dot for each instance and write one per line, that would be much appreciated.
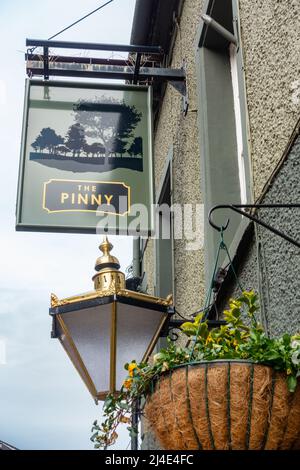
(76, 139)
(47, 139)
(118, 147)
(109, 120)
(102, 132)
(95, 149)
(136, 147)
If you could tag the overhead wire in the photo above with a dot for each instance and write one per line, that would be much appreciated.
(75, 22)
(81, 19)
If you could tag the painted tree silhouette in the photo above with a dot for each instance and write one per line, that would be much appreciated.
(38, 144)
(136, 147)
(48, 139)
(107, 119)
(75, 139)
(118, 147)
(62, 149)
(95, 149)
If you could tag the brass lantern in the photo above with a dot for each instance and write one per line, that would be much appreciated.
(103, 329)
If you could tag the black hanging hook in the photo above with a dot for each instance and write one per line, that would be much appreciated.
(237, 208)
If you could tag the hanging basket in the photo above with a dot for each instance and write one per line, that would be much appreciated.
(224, 405)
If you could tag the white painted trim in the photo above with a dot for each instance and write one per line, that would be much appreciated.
(238, 122)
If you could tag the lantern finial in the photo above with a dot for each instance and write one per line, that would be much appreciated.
(109, 277)
(106, 260)
(106, 246)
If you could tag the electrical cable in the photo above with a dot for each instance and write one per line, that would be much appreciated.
(75, 22)
(81, 19)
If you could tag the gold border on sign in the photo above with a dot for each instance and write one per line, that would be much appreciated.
(88, 210)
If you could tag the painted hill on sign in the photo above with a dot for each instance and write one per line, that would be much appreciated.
(86, 164)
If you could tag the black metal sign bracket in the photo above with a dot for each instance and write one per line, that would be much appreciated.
(146, 68)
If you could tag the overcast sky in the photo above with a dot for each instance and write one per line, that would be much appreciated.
(43, 403)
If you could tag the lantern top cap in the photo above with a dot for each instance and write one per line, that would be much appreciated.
(106, 260)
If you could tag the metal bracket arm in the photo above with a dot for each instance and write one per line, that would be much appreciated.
(176, 324)
(237, 208)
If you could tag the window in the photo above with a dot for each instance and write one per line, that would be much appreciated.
(225, 167)
(164, 239)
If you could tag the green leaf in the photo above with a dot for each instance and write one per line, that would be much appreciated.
(190, 329)
(272, 356)
(286, 339)
(198, 318)
(124, 406)
(203, 331)
(292, 383)
(132, 431)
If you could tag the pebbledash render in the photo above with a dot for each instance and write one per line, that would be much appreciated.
(238, 143)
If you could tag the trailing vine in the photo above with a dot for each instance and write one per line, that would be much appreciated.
(234, 340)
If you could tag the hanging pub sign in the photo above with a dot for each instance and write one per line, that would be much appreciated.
(86, 159)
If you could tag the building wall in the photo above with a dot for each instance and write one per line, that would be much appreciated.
(179, 135)
(271, 48)
(271, 51)
(271, 264)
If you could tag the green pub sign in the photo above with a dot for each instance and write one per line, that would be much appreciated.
(86, 158)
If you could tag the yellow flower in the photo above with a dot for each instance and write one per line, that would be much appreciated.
(209, 340)
(127, 383)
(131, 368)
(124, 419)
(288, 371)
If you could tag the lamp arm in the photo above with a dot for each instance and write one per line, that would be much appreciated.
(237, 208)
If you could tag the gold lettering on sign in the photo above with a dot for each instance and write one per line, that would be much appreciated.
(90, 196)
(83, 199)
(96, 199)
(86, 199)
(108, 198)
(63, 197)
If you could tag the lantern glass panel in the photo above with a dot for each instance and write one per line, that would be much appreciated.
(90, 330)
(136, 326)
(67, 345)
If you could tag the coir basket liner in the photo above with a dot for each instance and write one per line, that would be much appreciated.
(224, 405)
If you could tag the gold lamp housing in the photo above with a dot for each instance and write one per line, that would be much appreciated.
(103, 329)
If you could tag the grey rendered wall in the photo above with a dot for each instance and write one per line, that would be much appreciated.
(271, 48)
(174, 131)
(271, 264)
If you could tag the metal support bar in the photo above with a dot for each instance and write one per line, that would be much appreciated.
(135, 423)
(46, 63)
(61, 59)
(136, 270)
(176, 324)
(211, 323)
(94, 46)
(219, 29)
(237, 208)
(115, 72)
(137, 68)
